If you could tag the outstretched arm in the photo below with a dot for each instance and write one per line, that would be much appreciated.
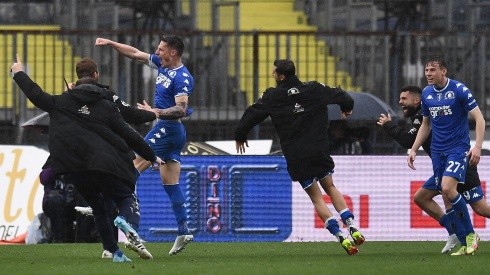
(33, 92)
(126, 50)
(174, 112)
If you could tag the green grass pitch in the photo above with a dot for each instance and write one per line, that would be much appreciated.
(247, 258)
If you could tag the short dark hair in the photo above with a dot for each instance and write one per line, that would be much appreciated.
(437, 59)
(285, 67)
(86, 67)
(174, 42)
(412, 90)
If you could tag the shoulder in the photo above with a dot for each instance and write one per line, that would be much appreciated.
(315, 85)
(180, 73)
(269, 92)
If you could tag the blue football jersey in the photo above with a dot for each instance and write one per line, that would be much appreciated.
(448, 110)
(170, 83)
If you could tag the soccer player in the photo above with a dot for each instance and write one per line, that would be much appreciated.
(299, 114)
(174, 85)
(446, 104)
(410, 102)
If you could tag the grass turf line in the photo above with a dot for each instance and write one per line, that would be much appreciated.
(246, 258)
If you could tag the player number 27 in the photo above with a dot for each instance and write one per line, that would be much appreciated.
(453, 166)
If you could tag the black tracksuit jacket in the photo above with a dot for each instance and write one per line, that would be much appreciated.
(299, 114)
(87, 132)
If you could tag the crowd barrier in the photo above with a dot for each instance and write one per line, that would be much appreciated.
(251, 198)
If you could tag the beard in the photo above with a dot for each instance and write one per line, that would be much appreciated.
(410, 111)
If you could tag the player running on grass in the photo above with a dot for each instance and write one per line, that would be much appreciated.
(299, 114)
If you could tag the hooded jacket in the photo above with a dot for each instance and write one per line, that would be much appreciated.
(299, 114)
(87, 132)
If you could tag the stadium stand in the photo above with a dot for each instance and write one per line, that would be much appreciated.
(48, 58)
(263, 15)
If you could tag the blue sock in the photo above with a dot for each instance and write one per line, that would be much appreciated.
(345, 215)
(178, 205)
(447, 223)
(332, 225)
(462, 216)
(458, 230)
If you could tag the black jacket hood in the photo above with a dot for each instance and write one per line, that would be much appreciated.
(87, 93)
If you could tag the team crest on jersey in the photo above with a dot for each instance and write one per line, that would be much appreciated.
(449, 95)
(293, 91)
(172, 74)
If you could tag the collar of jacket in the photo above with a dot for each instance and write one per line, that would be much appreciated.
(290, 82)
(87, 93)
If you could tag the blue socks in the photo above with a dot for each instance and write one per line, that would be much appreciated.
(178, 205)
(461, 216)
(447, 222)
(332, 225)
(346, 217)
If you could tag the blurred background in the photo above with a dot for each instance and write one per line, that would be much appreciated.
(364, 46)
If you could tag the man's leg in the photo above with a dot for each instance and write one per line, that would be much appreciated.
(170, 174)
(326, 215)
(340, 206)
(127, 205)
(90, 185)
(462, 216)
(424, 199)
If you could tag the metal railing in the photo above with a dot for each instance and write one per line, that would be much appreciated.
(231, 69)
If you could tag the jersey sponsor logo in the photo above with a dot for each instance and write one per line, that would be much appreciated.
(440, 111)
(164, 80)
(152, 140)
(470, 95)
(185, 74)
(476, 195)
(186, 81)
(413, 130)
(416, 121)
(429, 97)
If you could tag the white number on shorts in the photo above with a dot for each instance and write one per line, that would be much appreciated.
(450, 167)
